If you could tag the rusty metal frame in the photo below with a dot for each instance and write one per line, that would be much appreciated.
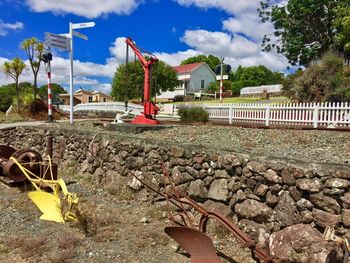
(181, 201)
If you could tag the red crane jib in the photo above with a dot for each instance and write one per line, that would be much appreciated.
(150, 109)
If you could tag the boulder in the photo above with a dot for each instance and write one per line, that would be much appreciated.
(253, 210)
(261, 189)
(345, 217)
(337, 183)
(302, 244)
(218, 190)
(177, 151)
(271, 199)
(221, 174)
(287, 177)
(325, 203)
(309, 185)
(285, 213)
(272, 177)
(259, 232)
(256, 167)
(325, 219)
(134, 162)
(197, 191)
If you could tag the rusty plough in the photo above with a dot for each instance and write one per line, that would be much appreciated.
(18, 168)
(191, 236)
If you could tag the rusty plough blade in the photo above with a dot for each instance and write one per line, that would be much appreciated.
(196, 243)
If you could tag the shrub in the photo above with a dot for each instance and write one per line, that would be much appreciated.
(179, 98)
(193, 114)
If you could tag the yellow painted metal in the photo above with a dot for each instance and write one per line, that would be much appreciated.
(50, 204)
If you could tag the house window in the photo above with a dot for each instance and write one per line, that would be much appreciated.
(104, 100)
(90, 98)
(202, 83)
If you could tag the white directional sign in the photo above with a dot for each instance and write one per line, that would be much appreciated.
(57, 41)
(223, 77)
(80, 35)
(83, 25)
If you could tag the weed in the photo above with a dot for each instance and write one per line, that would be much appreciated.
(29, 247)
(62, 256)
(68, 240)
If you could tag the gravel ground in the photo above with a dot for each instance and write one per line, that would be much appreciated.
(112, 230)
(305, 145)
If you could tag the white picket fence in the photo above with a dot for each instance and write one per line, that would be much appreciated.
(316, 115)
(306, 114)
(104, 107)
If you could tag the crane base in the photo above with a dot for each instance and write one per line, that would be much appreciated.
(142, 119)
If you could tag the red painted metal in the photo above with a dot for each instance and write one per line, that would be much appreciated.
(150, 109)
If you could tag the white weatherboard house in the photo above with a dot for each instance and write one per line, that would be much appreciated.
(194, 77)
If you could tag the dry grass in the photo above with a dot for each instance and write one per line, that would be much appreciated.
(13, 117)
(63, 256)
(29, 246)
(100, 222)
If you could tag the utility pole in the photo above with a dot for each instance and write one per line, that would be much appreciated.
(47, 58)
(126, 97)
(221, 79)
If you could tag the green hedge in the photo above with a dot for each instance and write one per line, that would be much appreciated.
(195, 114)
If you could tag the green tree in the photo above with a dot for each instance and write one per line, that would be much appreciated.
(211, 61)
(342, 27)
(255, 76)
(131, 77)
(14, 69)
(304, 29)
(33, 49)
(56, 90)
(324, 81)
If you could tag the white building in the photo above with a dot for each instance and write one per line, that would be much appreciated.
(194, 77)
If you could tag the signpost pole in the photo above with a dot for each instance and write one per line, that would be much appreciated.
(49, 92)
(71, 98)
(221, 79)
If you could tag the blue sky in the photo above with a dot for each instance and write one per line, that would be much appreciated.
(172, 29)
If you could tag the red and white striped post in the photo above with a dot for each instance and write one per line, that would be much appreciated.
(221, 79)
(49, 92)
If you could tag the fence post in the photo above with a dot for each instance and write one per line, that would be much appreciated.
(316, 111)
(230, 115)
(174, 110)
(267, 117)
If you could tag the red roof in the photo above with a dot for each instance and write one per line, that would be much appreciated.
(187, 68)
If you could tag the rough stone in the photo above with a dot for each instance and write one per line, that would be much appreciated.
(253, 210)
(333, 191)
(325, 203)
(237, 197)
(271, 199)
(337, 183)
(286, 213)
(325, 219)
(218, 190)
(197, 191)
(221, 174)
(345, 217)
(177, 151)
(346, 198)
(218, 207)
(302, 244)
(294, 193)
(256, 167)
(309, 185)
(304, 204)
(99, 172)
(134, 162)
(345, 174)
(198, 159)
(272, 176)
(306, 217)
(234, 186)
(287, 177)
(180, 178)
(259, 232)
(261, 189)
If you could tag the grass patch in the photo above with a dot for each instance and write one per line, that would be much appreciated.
(234, 100)
(13, 117)
(193, 114)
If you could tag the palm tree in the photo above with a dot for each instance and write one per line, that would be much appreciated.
(34, 50)
(14, 69)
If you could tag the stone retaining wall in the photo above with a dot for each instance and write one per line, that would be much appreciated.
(261, 194)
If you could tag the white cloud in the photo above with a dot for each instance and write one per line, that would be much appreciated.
(85, 8)
(6, 27)
(248, 24)
(220, 43)
(230, 6)
(174, 59)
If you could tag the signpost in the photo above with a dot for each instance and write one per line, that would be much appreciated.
(221, 80)
(71, 80)
(65, 42)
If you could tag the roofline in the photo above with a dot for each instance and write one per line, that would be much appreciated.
(212, 72)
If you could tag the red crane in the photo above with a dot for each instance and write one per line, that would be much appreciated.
(150, 109)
